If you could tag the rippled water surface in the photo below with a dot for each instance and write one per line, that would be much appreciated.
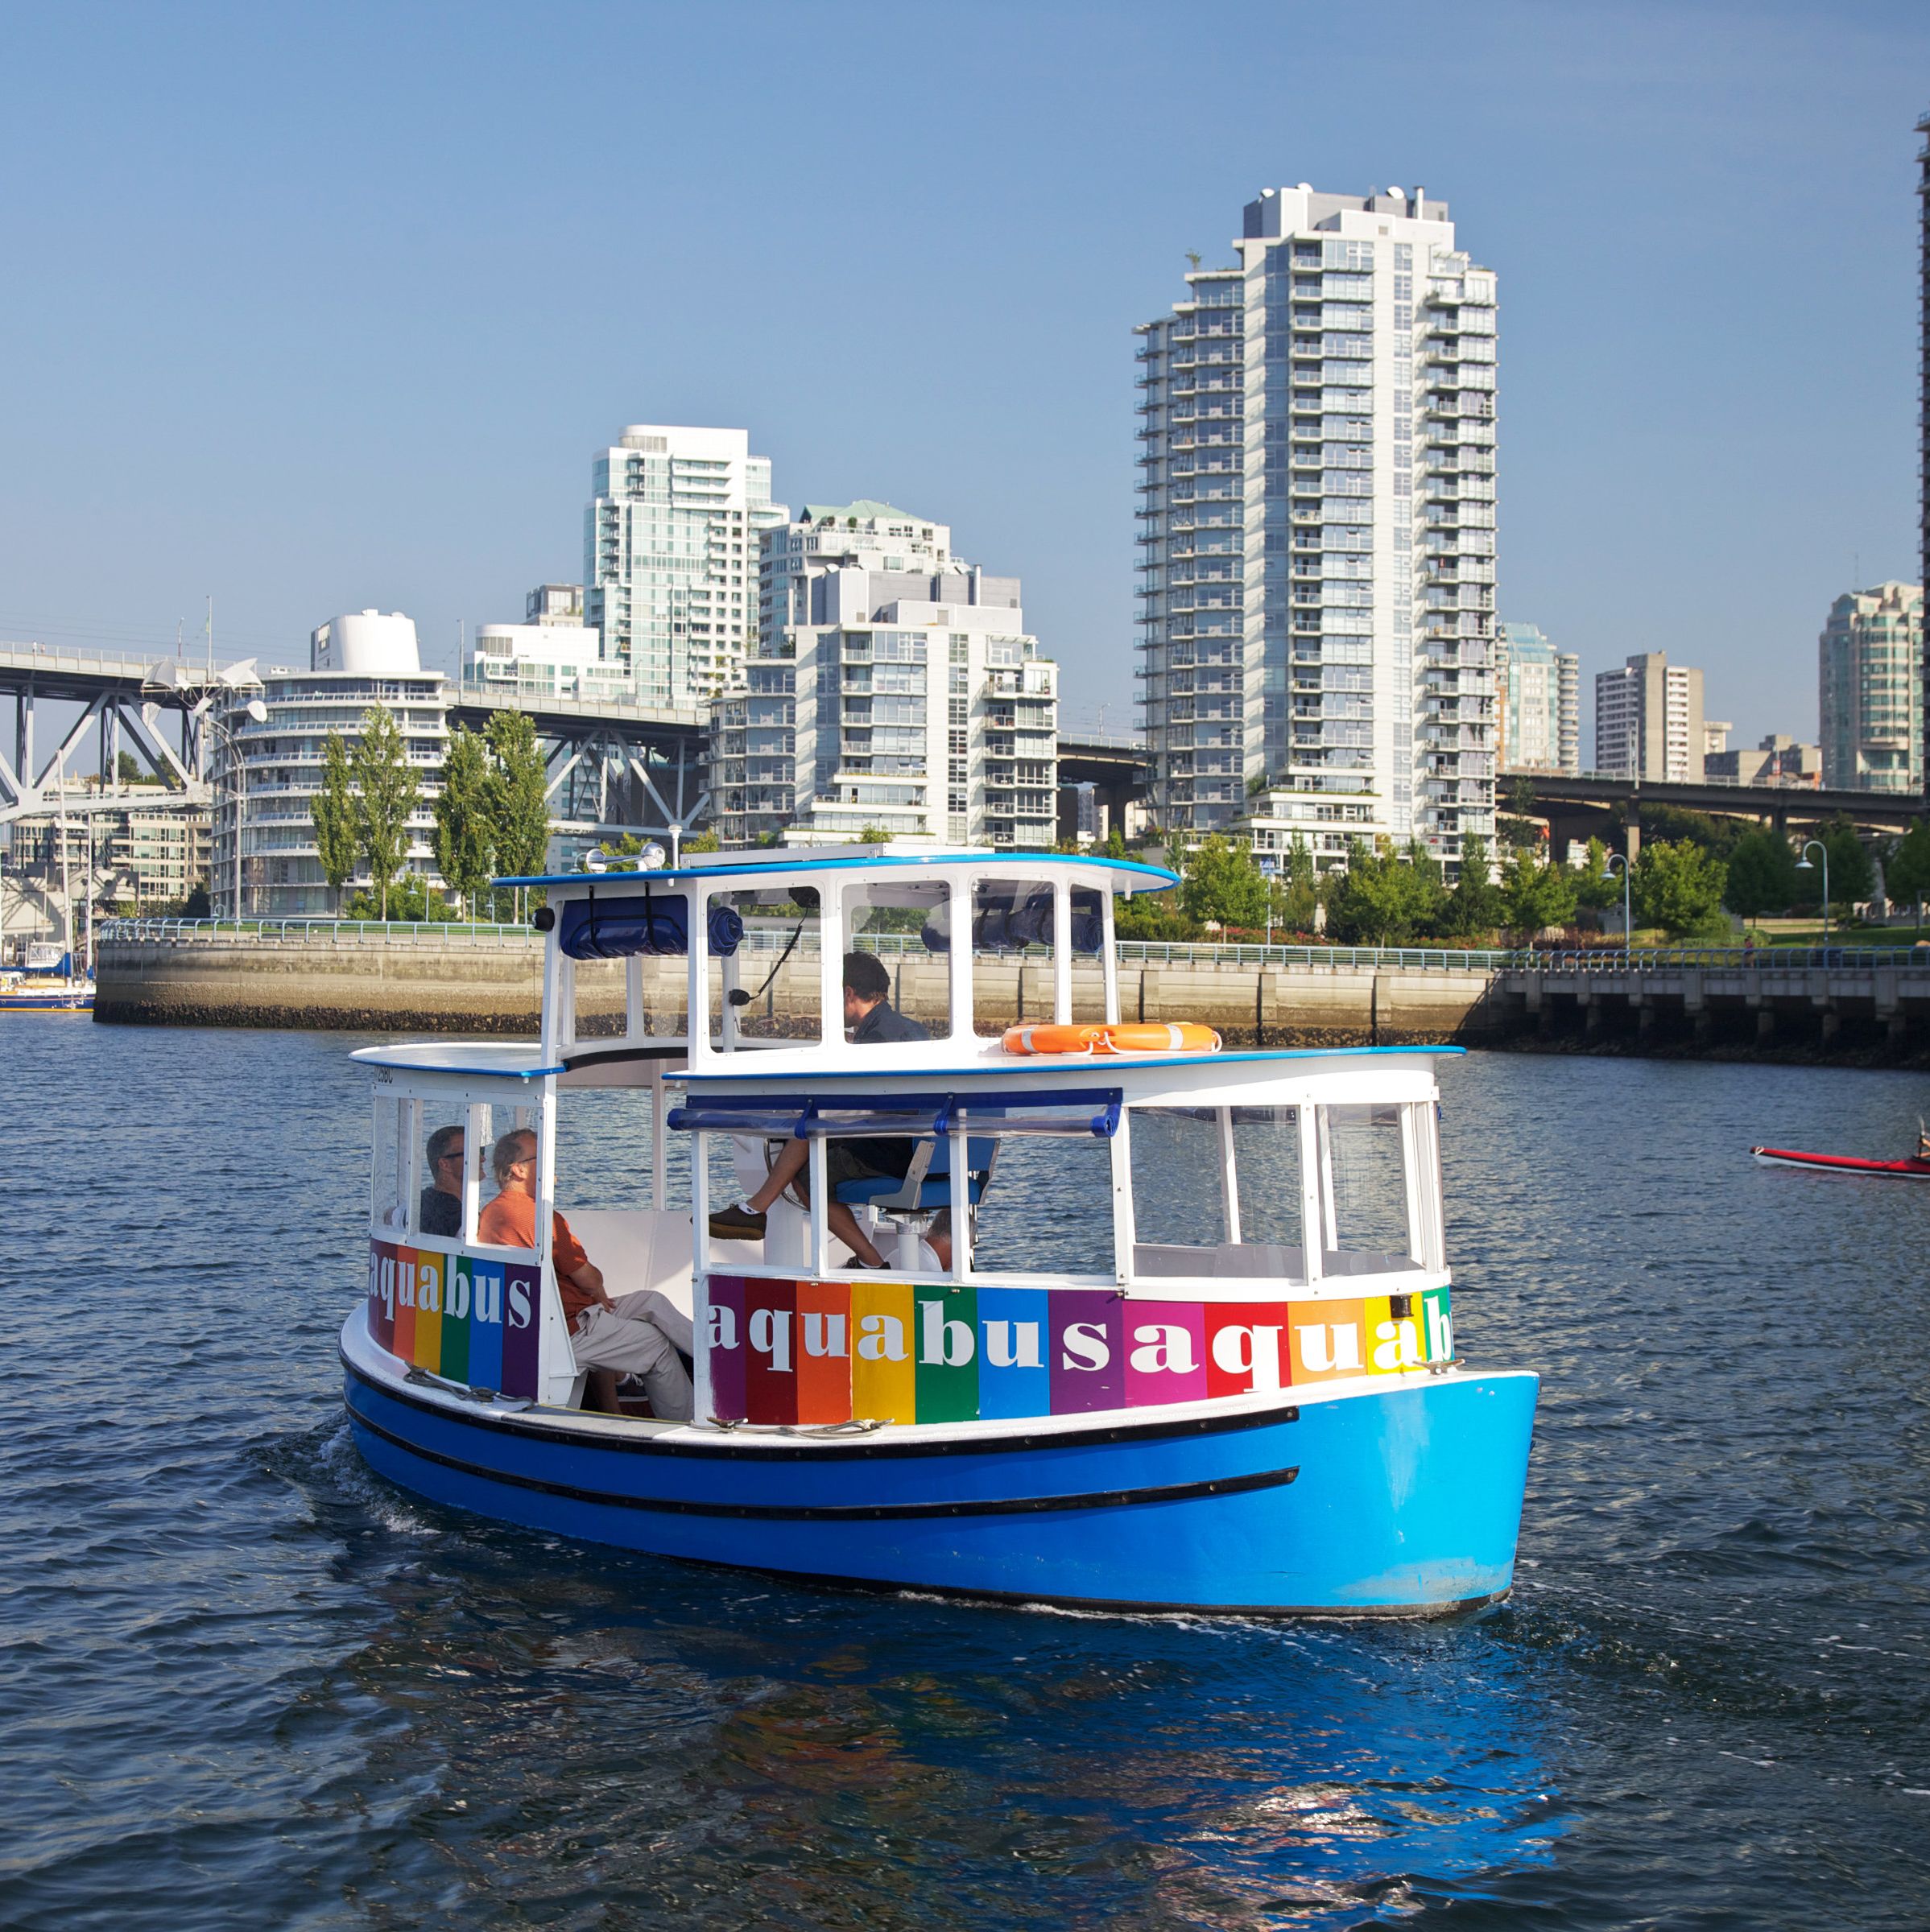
(244, 1684)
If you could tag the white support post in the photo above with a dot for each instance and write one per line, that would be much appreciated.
(818, 1168)
(1330, 1219)
(961, 1205)
(410, 1165)
(704, 1403)
(1313, 1235)
(1123, 1236)
(566, 995)
(696, 1019)
(1062, 952)
(556, 1361)
(552, 998)
(475, 1151)
(831, 958)
(1109, 958)
(660, 1153)
(962, 963)
(1229, 1179)
(1412, 1188)
(633, 999)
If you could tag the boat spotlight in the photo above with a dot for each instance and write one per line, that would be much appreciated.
(595, 861)
(651, 857)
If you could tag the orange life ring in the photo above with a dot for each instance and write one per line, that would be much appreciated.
(1184, 1036)
(1053, 1039)
(1129, 1036)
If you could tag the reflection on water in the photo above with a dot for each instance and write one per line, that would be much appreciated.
(247, 1684)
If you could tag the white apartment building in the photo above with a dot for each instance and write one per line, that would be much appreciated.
(1318, 528)
(1870, 688)
(1648, 720)
(1538, 702)
(670, 555)
(894, 687)
(552, 654)
(265, 775)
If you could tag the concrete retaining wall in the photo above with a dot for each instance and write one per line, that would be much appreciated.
(493, 984)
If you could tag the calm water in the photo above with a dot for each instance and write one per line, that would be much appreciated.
(244, 1684)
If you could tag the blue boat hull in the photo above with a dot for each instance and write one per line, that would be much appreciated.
(1402, 1503)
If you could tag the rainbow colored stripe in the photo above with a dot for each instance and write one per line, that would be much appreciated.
(468, 1320)
(782, 1351)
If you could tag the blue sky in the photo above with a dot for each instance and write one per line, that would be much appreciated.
(312, 310)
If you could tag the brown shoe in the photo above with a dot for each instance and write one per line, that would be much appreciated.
(738, 1223)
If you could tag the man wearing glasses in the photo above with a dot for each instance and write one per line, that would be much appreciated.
(441, 1206)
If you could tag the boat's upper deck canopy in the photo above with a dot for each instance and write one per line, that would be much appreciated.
(908, 948)
(901, 856)
(519, 1060)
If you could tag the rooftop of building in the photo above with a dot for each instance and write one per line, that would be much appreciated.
(865, 508)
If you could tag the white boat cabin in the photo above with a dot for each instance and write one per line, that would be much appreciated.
(1064, 1234)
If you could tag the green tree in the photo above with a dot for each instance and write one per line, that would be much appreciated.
(1219, 881)
(1519, 834)
(1852, 873)
(1596, 887)
(333, 810)
(1114, 847)
(709, 841)
(1763, 876)
(1907, 874)
(518, 801)
(1674, 822)
(411, 899)
(387, 788)
(1678, 885)
(1536, 894)
(1475, 905)
(1381, 899)
(1300, 890)
(462, 818)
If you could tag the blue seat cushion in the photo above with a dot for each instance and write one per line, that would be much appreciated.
(934, 1191)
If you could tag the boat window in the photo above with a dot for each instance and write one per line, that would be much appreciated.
(1088, 972)
(1364, 1187)
(601, 994)
(1011, 955)
(1047, 1209)
(389, 1198)
(1217, 1192)
(907, 924)
(764, 973)
(442, 1138)
(1178, 1196)
(1266, 1169)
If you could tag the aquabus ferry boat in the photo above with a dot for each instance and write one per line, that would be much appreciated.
(1002, 1296)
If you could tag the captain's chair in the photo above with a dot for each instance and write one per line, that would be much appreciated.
(926, 1188)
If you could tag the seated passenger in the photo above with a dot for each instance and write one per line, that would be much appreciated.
(869, 1021)
(644, 1334)
(441, 1205)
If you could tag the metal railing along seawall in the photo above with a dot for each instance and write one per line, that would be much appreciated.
(1138, 952)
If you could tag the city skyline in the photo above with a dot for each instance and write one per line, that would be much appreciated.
(178, 309)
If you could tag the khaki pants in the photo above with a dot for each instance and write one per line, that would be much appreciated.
(640, 1334)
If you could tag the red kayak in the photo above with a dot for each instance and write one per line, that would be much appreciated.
(1843, 1163)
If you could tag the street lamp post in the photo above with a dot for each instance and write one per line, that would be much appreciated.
(1628, 924)
(1802, 864)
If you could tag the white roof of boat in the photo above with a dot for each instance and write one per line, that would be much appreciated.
(504, 1059)
(862, 1064)
(1121, 875)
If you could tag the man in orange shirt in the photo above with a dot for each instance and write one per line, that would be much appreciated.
(638, 1334)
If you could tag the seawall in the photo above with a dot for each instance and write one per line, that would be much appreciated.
(491, 983)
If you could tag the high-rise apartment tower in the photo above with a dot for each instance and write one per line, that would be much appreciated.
(1538, 698)
(1317, 525)
(893, 687)
(1870, 690)
(670, 551)
(1648, 720)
